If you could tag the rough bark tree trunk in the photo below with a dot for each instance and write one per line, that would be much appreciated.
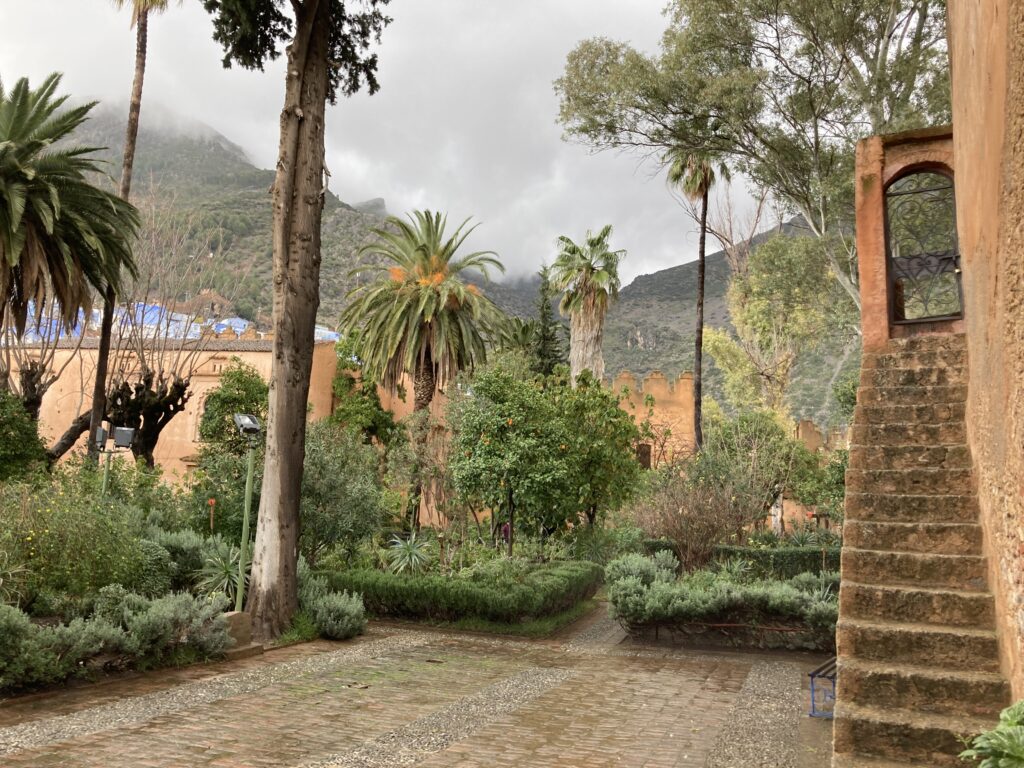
(99, 392)
(586, 332)
(298, 198)
(698, 349)
(424, 383)
(511, 519)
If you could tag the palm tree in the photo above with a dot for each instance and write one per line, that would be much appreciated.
(694, 174)
(417, 315)
(589, 276)
(140, 21)
(60, 235)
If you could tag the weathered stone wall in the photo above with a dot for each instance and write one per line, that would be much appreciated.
(987, 61)
(669, 411)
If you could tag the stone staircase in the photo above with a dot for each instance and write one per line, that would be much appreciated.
(918, 657)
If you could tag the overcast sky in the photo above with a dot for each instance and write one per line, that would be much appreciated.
(464, 121)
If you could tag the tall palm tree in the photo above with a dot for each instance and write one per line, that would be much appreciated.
(417, 315)
(60, 235)
(141, 9)
(589, 276)
(694, 174)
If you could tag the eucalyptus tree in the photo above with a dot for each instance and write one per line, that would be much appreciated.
(327, 45)
(781, 89)
(141, 9)
(588, 276)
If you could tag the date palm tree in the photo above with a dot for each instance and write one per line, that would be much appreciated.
(141, 9)
(588, 275)
(417, 315)
(61, 236)
(694, 174)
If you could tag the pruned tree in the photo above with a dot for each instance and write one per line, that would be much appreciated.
(327, 46)
(141, 10)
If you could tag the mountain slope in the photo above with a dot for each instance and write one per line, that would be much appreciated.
(208, 181)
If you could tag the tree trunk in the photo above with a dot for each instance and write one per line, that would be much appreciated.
(511, 519)
(99, 391)
(424, 384)
(586, 332)
(298, 199)
(698, 347)
(67, 441)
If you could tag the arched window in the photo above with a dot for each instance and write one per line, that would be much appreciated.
(923, 253)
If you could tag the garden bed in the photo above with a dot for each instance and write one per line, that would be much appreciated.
(782, 562)
(723, 607)
(503, 593)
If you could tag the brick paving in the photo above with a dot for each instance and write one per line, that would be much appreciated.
(401, 697)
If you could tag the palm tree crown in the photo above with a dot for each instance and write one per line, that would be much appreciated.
(589, 276)
(417, 314)
(140, 7)
(694, 173)
(60, 235)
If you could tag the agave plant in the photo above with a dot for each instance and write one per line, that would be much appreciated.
(219, 573)
(412, 555)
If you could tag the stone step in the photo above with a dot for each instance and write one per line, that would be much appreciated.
(932, 342)
(867, 566)
(911, 508)
(910, 481)
(891, 642)
(946, 607)
(923, 689)
(922, 413)
(932, 740)
(913, 377)
(911, 395)
(930, 358)
(910, 457)
(934, 538)
(908, 433)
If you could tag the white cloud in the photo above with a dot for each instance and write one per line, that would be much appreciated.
(464, 121)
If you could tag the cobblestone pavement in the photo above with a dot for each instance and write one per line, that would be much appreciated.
(402, 697)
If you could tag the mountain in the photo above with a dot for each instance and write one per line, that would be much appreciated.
(210, 183)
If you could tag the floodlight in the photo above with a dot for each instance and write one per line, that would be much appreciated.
(123, 437)
(101, 438)
(247, 424)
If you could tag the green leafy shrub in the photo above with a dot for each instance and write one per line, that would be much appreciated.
(153, 571)
(70, 540)
(541, 590)
(783, 562)
(338, 615)
(647, 570)
(127, 630)
(755, 612)
(173, 628)
(1003, 746)
(186, 548)
(21, 451)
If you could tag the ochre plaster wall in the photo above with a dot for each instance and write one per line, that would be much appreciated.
(987, 62)
(179, 441)
(670, 413)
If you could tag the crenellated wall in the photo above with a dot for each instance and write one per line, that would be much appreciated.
(667, 404)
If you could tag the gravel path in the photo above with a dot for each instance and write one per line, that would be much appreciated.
(411, 743)
(139, 709)
(764, 731)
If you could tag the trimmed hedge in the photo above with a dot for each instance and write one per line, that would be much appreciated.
(783, 562)
(800, 613)
(542, 590)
